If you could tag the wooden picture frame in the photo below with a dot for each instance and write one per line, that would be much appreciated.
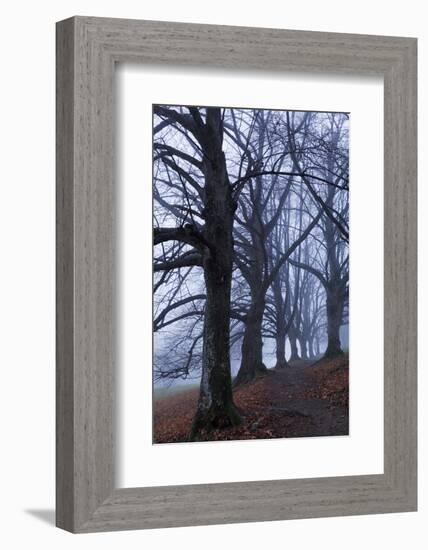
(87, 50)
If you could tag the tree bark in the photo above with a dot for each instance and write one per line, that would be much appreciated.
(252, 346)
(293, 345)
(281, 361)
(334, 320)
(311, 349)
(215, 407)
(303, 347)
(281, 326)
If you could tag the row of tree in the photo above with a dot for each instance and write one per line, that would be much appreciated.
(250, 244)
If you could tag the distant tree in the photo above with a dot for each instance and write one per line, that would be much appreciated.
(331, 164)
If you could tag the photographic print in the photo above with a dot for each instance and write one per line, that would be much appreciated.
(250, 273)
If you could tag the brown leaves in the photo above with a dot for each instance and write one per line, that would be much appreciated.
(301, 401)
(331, 381)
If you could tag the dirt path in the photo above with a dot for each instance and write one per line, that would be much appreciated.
(304, 400)
(290, 391)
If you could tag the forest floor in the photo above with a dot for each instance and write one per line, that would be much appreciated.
(305, 400)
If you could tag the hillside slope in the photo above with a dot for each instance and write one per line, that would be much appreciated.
(305, 400)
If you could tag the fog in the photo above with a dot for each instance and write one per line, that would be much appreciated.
(285, 176)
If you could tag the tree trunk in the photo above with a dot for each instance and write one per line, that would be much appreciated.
(252, 346)
(303, 348)
(293, 345)
(334, 320)
(215, 407)
(281, 361)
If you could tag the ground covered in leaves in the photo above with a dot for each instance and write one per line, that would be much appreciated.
(307, 399)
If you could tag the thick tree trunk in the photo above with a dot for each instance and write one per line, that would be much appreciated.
(215, 406)
(293, 345)
(303, 348)
(334, 319)
(281, 361)
(252, 346)
(334, 304)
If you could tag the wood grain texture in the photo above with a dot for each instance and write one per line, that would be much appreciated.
(87, 49)
(64, 277)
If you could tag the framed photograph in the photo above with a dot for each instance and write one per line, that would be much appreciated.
(236, 274)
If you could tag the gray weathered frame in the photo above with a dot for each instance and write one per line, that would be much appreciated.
(87, 50)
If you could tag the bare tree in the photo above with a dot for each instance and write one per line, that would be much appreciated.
(250, 242)
(209, 245)
(332, 163)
